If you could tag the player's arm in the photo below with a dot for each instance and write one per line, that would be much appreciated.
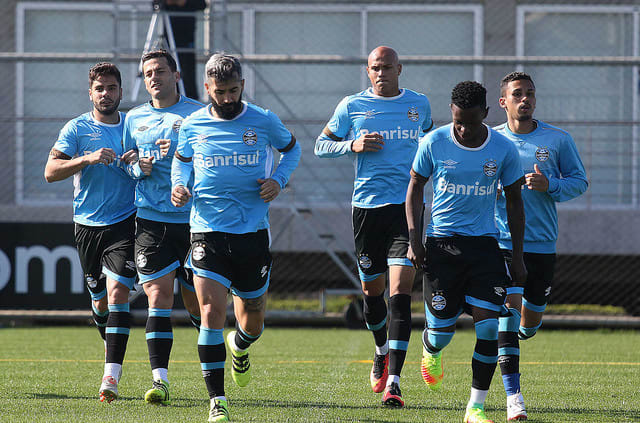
(516, 221)
(181, 169)
(413, 208)
(573, 182)
(60, 166)
(289, 159)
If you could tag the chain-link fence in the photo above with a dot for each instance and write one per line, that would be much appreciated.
(301, 58)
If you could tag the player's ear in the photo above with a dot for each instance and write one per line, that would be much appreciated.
(502, 102)
(177, 76)
(399, 68)
(242, 84)
(486, 112)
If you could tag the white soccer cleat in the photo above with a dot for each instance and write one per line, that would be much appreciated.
(108, 389)
(515, 408)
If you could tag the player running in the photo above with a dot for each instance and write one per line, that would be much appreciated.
(89, 148)
(464, 269)
(554, 173)
(381, 127)
(228, 148)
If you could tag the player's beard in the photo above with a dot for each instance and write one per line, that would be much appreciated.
(227, 111)
(108, 110)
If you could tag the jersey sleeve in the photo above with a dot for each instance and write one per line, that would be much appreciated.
(340, 123)
(67, 142)
(279, 136)
(511, 167)
(423, 163)
(427, 123)
(573, 181)
(128, 142)
(184, 147)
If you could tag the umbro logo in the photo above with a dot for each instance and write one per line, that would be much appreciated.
(263, 272)
(450, 164)
(142, 128)
(370, 114)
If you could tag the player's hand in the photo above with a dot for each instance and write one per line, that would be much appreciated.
(146, 165)
(518, 271)
(129, 157)
(416, 254)
(537, 181)
(164, 145)
(269, 189)
(102, 156)
(180, 195)
(368, 142)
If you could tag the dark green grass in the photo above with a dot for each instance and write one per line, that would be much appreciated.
(314, 375)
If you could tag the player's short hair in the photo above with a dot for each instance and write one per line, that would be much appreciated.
(161, 53)
(104, 68)
(468, 94)
(223, 67)
(514, 76)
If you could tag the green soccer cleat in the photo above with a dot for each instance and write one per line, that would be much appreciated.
(219, 411)
(159, 393)
(240, 366)
(431, 369)
(476, 415)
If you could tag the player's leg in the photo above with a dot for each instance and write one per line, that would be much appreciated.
(443, 290)
(181, 245)
(371, 249)
(401, 279)
(159, 336)
(249, 314)
(100, 311)
(537, 292)
(509, 349)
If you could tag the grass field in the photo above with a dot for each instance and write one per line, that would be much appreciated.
(52, 374)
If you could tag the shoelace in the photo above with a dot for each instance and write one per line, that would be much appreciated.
(241, 364)
(378, 365)
(394, 389)
(218, 410)
(161, 386)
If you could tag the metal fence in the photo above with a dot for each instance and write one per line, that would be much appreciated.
(301, 58)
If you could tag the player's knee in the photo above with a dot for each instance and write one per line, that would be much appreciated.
(510, 323)
(435, 340)
(487, 329)
(528, 332)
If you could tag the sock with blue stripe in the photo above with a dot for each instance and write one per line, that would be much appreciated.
(213, 354)
(243, 340)
(399, 331)
(509, 351)
(100, 319)
(117, 332)
(375, 316)
(485, 354)
(159, 334)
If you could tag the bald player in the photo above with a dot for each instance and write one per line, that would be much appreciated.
(380, 128)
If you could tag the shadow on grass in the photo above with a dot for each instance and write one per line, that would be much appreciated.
(316, 404)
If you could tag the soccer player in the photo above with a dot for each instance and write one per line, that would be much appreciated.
(89, 148)
(554, 173)
(228, 147)
(380, 127)
(464, 268)
(162, 230)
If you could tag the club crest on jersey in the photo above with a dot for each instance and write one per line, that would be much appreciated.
(142, 128)
(198, 253)
(364, 261)
(141, 260)
(438, 301)
(250, 137)
(413, 114)
(91, 282)
(176, 125)
(490, 168)
(542, 154)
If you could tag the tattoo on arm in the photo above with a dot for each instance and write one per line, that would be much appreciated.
(57, 154)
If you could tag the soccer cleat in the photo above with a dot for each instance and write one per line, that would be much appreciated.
(515, 408)
(240, 366)
(219, 411)
(431, 369)
(476, 415)
(379, 372)
(392, 396)
(108, 389)
(159, 393)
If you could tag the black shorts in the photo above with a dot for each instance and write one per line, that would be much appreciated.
(240, 262)
(381, 238)
(162, 248)
(106, 251)
(463, 271)
(540, 271)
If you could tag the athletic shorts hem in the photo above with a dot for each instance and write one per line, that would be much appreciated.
(128, 282)
(148, 278)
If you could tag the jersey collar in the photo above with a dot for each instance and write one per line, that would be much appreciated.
(483, 145)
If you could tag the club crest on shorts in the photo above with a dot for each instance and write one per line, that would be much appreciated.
(490, 168)
(91, 282)
(198, 253)
(176, 125)
(438, 301)
(542, 154)
(141, 260)
(364, 261)
(413, 114)
(250, 137)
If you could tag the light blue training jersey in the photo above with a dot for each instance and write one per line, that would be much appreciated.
(381, 177)
(465, 180)
(555, 153)
(143, 126)
(229, 156)
(103, 194)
